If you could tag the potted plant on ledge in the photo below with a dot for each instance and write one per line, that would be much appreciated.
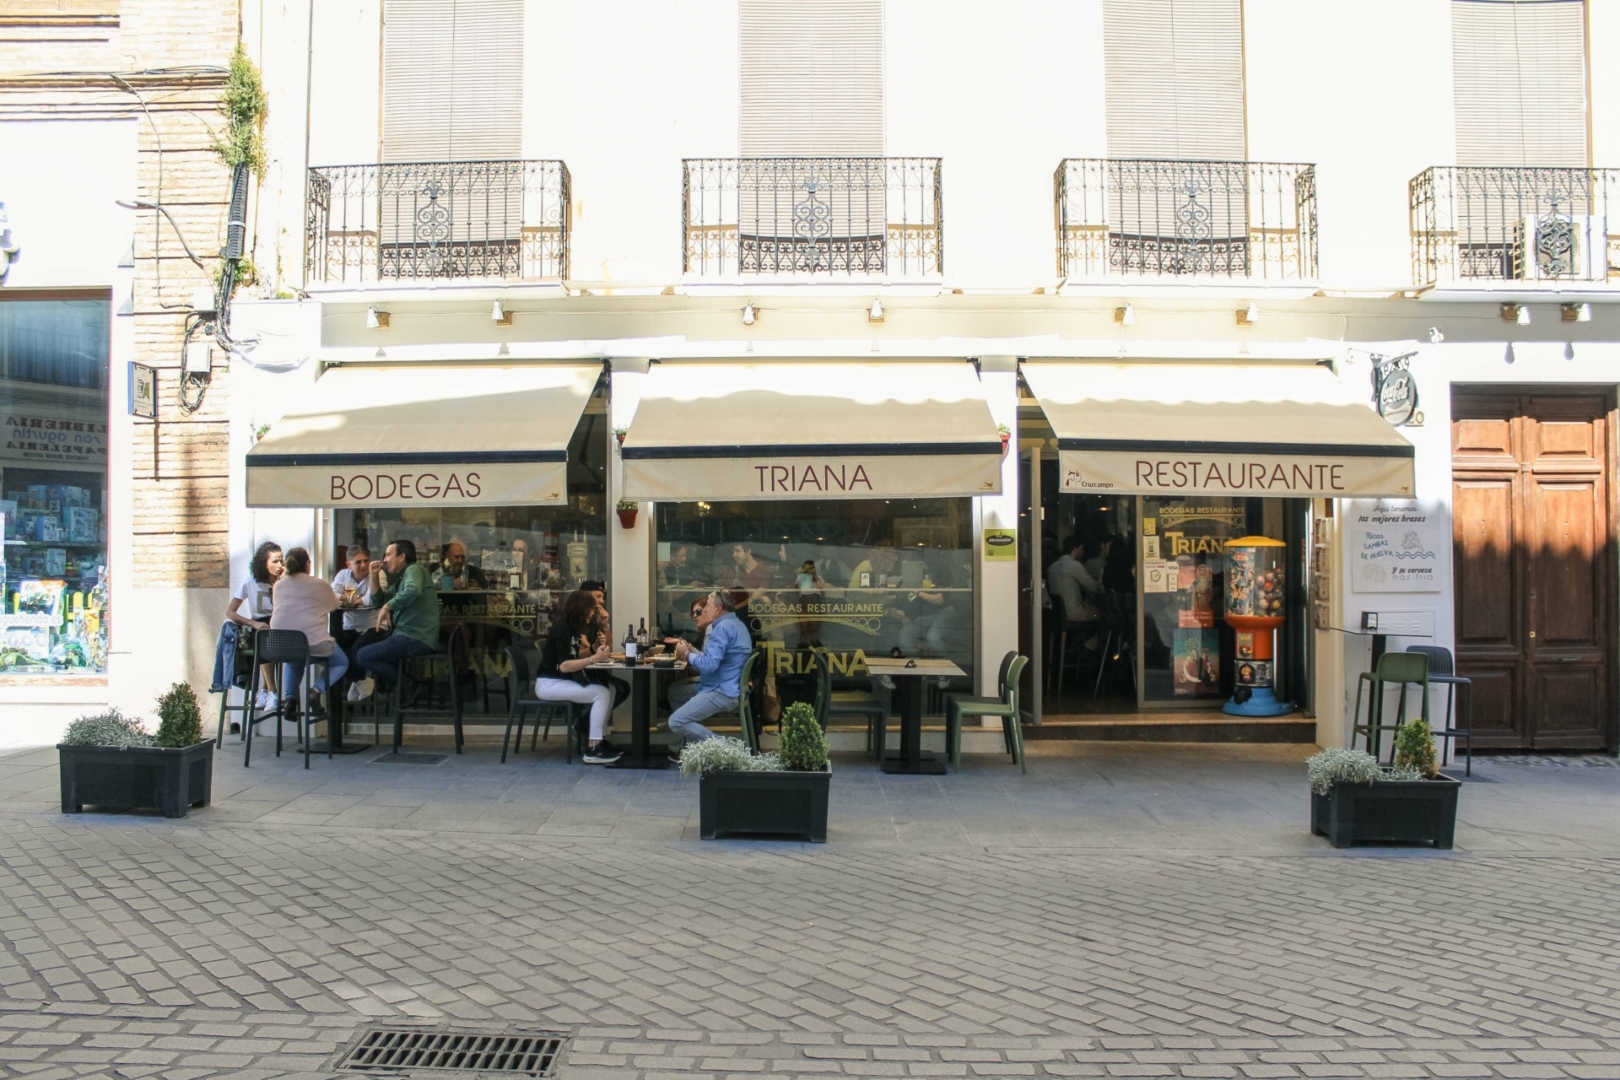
(627, 510)
(109, 760)
(1355, 800)
(775, 794)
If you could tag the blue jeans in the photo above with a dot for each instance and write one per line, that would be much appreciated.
(687, 719)
(383, 658)
(224, 659)
(324, 677)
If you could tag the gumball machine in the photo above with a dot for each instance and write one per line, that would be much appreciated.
(1254, 609)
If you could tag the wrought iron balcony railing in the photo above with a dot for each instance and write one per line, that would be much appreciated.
(430, 220)
(1216, 220)
(1491, 223)
(810, 217)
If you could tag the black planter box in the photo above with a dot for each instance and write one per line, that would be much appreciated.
(787, 804)
(1388, 812)
(137, 778)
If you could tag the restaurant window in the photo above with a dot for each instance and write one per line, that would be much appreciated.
(53, 486)
(859, 578)
(521, 560)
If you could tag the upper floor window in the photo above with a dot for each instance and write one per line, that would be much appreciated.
(1519, 70)
(1174, 79)
(452, 80)
(811, 79)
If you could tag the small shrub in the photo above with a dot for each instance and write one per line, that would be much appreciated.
(723, 754)
(245, 106)
(111, 728)
(179, 719)
(1414, 748)
(1337, 763)
(804, 748)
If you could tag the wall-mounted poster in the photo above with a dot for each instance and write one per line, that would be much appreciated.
(1395, 546)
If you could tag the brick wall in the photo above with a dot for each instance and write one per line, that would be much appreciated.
(116, 54)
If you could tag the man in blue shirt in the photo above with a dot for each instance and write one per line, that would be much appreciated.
(719, 666)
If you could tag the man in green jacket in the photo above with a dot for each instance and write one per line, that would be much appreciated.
(409, 606)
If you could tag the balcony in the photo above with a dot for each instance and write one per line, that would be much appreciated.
(1520, 224)
(1217, 221)
(813, 218)
(438, 221)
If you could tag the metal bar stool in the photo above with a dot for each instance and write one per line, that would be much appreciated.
(279, 647)
(1399, 669)
(1443, 670)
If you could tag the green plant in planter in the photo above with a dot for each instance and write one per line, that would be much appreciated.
(1414, 748)
(111, 728)
(179, 719)
(1352, 767)
(725, 754)
(804, 747)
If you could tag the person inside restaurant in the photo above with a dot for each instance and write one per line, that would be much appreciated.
(302, 603)
(407, 607)
(457, 571)
(719, 665)
(1068, 580)
(678, 570)
(564, 657)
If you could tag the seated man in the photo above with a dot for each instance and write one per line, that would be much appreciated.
(719, 666)
(409, 607)
(464, 574)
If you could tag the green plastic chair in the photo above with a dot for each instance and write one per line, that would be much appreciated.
(832, 703)
(745, 702)
(1394, 669)
(1004, 706)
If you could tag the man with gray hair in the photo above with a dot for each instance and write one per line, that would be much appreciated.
(719, 665)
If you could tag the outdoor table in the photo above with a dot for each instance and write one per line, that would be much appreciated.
(908, 676)
(640, 755)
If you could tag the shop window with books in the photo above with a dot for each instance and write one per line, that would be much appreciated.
(858, 578)
(53, 486)
(501, 571)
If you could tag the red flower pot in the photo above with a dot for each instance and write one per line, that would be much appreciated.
(1006, 437)
(627, 518)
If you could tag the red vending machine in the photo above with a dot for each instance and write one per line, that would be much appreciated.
(1254, 610)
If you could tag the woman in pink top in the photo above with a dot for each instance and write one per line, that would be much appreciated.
(302, 602)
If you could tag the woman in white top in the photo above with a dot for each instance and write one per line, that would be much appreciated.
(255, 593)
(251, 605)
(302, 603)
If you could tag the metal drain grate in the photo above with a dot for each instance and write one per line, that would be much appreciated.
(406, 757)
(403, 1051)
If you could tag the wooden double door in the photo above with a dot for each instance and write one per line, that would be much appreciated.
(1533, 535)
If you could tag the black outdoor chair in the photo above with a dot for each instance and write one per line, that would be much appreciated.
(1442, 670)
(278, 647)
(522, 696)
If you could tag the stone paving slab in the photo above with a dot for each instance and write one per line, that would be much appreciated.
(245, 944)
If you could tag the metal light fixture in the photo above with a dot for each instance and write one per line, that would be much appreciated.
(376, 320)
(1249, 315)
(1435, 336)
(501, 316)
(875, 313)
(749, 314)
(1125, 316)
(1575, 312)
(1516, 313)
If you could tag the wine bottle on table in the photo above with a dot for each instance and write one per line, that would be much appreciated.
(643, 642)
(629, 644)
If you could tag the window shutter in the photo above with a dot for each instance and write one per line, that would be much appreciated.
(452, 80)
(1174, 79)
(1520, 76)
(812, 78)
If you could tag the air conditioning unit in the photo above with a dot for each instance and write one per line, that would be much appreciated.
(1557, 247)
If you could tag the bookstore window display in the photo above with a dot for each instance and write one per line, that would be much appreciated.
(860, 578)
(53, 487)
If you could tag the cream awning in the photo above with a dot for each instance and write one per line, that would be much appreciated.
(823, 430)
(425, 435)
(1278, 429)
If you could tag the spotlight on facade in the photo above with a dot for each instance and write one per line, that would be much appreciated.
(1125, 316)
(749, 314)
(1516, 313)
(1249, 315)
(501, 316)
(1575, 312)
(1435, 336)
(376, 320)
(875, 313)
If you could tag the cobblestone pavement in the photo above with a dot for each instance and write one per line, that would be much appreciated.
(216, 947)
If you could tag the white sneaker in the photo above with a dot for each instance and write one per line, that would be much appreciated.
(354, 693)
(362, 689)
(267, 701)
